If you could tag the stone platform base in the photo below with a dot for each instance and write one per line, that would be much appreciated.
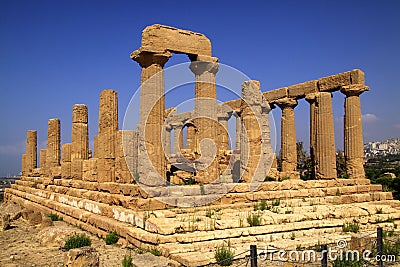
(293, 213)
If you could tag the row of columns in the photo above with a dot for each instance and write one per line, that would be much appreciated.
(322, 140)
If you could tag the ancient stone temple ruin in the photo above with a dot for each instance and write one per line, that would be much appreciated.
(184, 200)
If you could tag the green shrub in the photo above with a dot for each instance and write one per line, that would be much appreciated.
(210, 213)
(254, 219)
(77, 241)
(391, 247)
(224, 255)
(260, 206)
(111, 238)
(127, 261)
(155, 251)
(351, 227)
(276, 202)
(55, 217)
(189, 181)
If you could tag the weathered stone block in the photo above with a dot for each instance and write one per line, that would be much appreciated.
(276, 94)
(66, 170)
(77, 169)
(302, 89)
(106, 170)
(158, 38)
(334, 82)
(357, 77)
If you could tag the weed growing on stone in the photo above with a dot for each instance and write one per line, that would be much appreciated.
(351, 227)
(224, 255)
(77, 241)
(55, 217)
(127, 261)
(254, 219)
(111, 238)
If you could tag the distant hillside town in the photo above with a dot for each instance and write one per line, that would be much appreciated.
(387, 147)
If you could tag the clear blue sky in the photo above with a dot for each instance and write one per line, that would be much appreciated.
(54, 54)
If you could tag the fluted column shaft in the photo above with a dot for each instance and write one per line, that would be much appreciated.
(53, 144)
(353, 137)
(288, 134)
(238, 130)
(31, 151)
(191, 138)
(205, 107)
(177, 139)
(152, 106)
(310, 98)
(80, 134)
(325, 151)
(223, 135)
(167, 141)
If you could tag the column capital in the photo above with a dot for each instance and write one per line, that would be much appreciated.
(148, 58)
(310, 98)
(354, 89)
(204, 64)
(286, 102)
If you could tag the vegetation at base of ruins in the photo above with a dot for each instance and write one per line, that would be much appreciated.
(269, 179)
(391, 243)
(351, 227)
(338, 193)
(377, 170)
(254, 219)
(341, 165)
(111, 238)
(127, 261)
(224, 255)
(389, 220)
(54, 217)
(293, 236)
(209, 213)
(77, 241)
(276, 202)
(288, 211)
(260, 206)
(284, 179)
(189, 181)
(155, 251)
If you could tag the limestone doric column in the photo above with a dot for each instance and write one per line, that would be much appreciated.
(223, 135)
(238, 130)
(325, 152)
(178, 142)
(66, 161)
(353, 137)
(80, 134)
(167, 141)
(152, 111)
(53, 144)
(42, 159)
(108, 124)
(206, 121)
(31, 151)
(288, 134)
(191, 138)
(310, 98)
(255, 145)
(105, 141)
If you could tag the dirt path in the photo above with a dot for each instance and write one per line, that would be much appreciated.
(26, 245)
